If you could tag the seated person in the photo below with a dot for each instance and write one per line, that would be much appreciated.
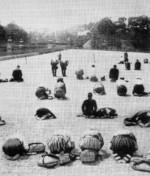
(44, 114)
(17, 75)
(13, 148)
(121, 87)
(89, 106)
(137, 65)
(138, 89)
(60, 89)
(114, 73)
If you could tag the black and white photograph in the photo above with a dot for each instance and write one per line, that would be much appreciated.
(74, 87)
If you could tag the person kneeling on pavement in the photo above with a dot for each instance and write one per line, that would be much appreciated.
(17, 75)
(43, 93)
(60, 89)
(89, 107)
(90, 144)
(121, 87)
(124, 146)
(14, 148)
(138, 89)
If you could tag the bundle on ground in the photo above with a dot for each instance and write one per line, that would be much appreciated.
(79, 74)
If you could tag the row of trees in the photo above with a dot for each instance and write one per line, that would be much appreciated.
(128, 34)
(14, 32)
(124, 34)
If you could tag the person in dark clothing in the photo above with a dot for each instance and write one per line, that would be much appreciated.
(13, 148)
(137, 65)
(59, 56)
(89, 106)
(54, 67)
(139, 89)
(114, 74)
(63, 65)
(17, 75)
(125, 57)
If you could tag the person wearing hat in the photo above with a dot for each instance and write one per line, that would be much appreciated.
(114, 73)
(121, 87)
(89, 106)
(60, 89)
(17, 75)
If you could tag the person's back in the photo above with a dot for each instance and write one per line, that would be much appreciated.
(138, 88)
(89, 106)
(137, 65)
(114, 73)
(121, 87)
(17, 74)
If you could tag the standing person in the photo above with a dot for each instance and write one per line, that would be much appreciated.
(114, 73)
(63, 65)
(137, 65)
(59, 56)
(125, 57)
(17, 75)
(60, 89)
(89, 106)
(54, 67)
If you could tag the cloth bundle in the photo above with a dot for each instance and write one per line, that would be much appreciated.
(106, 113)
(79, 74)
(90, 144)
(94, 78)
(99, 89)
(145, 61)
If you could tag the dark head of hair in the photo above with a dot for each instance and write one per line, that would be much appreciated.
(18, 66)
(60, 80)
(90, 95)
(115, 66)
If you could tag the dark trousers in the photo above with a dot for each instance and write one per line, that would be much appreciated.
(63, 70)
(54, 71)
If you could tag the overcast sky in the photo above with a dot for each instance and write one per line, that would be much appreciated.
(54, 15)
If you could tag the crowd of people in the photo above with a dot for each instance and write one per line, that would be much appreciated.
(61, 149)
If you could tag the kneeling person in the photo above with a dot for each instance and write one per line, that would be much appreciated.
(60, 89)
(17, 75)
(121, 87)
(138, 89)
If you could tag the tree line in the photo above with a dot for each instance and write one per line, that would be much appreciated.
(124, 34)
(13, 32)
